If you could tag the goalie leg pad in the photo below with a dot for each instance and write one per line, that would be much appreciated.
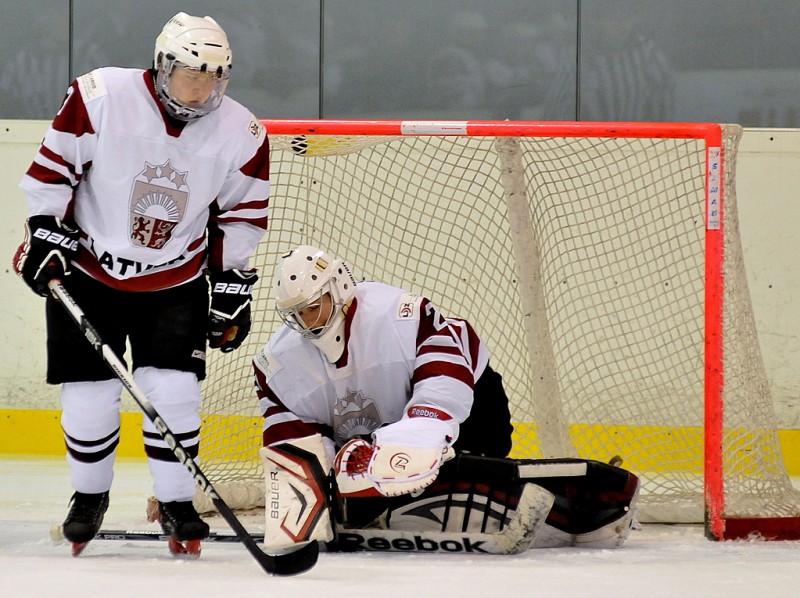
(615, 533)
(595, 505)
(297, 475)
(455, 517)
(611, 535)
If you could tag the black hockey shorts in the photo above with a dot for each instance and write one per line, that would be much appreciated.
(487, 430)
(166, 329)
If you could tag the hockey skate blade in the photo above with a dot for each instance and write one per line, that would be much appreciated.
(57, 536)
(189, 549)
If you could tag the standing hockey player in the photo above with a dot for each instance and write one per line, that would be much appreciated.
(147, 184)
(375, 384)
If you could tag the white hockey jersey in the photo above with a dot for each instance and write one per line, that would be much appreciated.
(402, 359)
(153, 199)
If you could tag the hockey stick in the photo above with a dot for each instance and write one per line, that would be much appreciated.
(288, 564)
(132, 535)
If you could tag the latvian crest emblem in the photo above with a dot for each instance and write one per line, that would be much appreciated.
(158, 203)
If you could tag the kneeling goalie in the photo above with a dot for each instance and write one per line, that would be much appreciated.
(386, 429)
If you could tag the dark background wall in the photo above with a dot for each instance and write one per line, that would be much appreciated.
(685, 60)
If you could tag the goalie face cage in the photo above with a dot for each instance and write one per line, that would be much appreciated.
(601, 263)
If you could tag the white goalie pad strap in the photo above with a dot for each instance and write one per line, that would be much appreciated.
(296, 503)
(407, 455)
(469, 527)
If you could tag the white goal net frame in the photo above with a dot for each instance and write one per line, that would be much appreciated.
(600, 262)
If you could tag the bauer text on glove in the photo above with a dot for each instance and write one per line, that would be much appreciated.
(229, 317)
(46, 252)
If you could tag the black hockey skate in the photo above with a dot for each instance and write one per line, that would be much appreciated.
(84, 519)
(183, 525)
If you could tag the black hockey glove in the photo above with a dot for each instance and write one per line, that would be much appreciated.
(46, 252)
(229, 318)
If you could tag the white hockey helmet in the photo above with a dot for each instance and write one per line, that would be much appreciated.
(195, 43)
(302, 277)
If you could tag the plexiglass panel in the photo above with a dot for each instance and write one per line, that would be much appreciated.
(34, 46)
(719, 60)
(716, 60)
(499, 59)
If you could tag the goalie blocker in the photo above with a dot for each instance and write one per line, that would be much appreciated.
(477, 505)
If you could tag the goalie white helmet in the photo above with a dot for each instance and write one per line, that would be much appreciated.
(303, 278)
(197, 49)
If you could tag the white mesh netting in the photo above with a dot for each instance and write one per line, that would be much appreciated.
(580, 261)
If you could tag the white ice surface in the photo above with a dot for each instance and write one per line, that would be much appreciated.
(658, 561)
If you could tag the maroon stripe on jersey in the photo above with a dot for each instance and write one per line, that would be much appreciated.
(73, 118)
(443, 368)
(474, 340)
(430, 348)
(428, 324)
(257, 167)
(259, 222)
(230, 216)
(164, 279)
(48, 176)
(196, 243)
(59, 159)
(256, 204)
(455, 330)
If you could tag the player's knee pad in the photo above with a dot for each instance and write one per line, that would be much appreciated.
(90, 410)
(174, 394)
(298, 487)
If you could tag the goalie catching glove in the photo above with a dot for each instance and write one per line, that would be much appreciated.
(403, 459)
(229, 317)
(46, 252)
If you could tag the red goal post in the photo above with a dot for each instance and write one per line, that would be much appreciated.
(600, 261)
